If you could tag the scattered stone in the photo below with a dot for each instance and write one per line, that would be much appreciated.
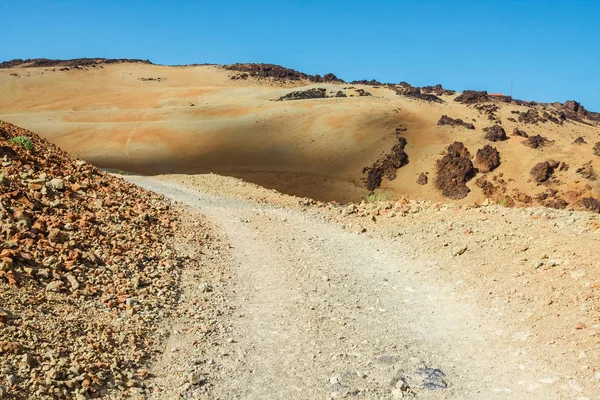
(422, 179)
(433, 378)
(54, 286)
(596, 149)
(460, 251)
(65, 257)
(196, 378)
(56, 184)
(579, 140)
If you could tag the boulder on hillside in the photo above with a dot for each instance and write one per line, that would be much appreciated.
(495, 133)
(590, 204)
(541, 172)
(587, 172)
(314, 93)
(422, 179)
(454, 170)
(536, 141)
(579, 140)
(596, 149)
(446, 120)
(518, 132)
(487, 159)
(437, 90)
(472, 97)
(386, 166)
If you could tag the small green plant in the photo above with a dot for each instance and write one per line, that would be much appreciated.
(502, 201)
(376, 196)
(23, 141)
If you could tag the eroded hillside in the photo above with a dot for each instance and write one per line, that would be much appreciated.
(312, 135)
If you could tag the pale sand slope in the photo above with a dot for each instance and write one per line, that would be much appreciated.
(315, 148)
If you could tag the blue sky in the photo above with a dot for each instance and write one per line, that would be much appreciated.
(549, 49)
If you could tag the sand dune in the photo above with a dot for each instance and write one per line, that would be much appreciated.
(196, 119)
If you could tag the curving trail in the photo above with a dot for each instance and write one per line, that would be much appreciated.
(315, 312)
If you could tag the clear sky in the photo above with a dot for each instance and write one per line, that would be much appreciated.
(549, 49)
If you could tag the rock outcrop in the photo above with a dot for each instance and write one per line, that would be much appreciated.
(454, 170)
(446, 120)
(495, 133)
(487, 159)
(541, 172)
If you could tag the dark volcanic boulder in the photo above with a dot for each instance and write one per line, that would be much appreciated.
(579, 140)
(453, 171)
(596, 149)
(541, 172)
(531, 116)
(437, 90)
(422, 179)
(340, 94)
(495, 133)
(386, 166)
(590, 204)
(472, 97)
(536, 141)
(446, 120)
(518, 132)
(587, 172)
(487, 159)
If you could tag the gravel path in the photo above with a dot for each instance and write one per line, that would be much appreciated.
(314, 312)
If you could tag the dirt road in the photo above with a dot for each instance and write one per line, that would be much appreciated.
(312, 311)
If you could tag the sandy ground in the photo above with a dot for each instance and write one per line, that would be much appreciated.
(198, 120)
(309, 306)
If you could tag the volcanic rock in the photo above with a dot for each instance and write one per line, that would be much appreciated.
(77, 62)
(487, 159)
(579, 140)
(495, 133)
(446, 120)
(386, 166)
(277, 72)
(541, 172)
(536, 141)
(437, 90)
(422, 179)
(65, 257)
(472, 97)
(531, 116)
(315, 93)
(453, 171)
(590, 204)
(587, 172)
(596, 149)
(518, 132)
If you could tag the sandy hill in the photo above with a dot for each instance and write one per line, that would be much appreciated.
(324, 138)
